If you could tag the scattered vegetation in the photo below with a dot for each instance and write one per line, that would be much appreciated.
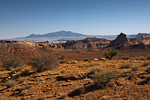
(44, 62)
(126, 58)
(11, 83)
(110, 53)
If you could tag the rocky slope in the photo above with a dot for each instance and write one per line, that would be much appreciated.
(73, 82)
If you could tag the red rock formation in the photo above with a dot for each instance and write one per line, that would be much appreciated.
(121, 39)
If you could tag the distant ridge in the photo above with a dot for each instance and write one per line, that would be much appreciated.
(57, 34)
(139, 35)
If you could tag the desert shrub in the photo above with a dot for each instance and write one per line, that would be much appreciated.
(44, 62)
(137, 58)
(63, 61)
(146, 63)
(87, 59)
(126, 58)
(104, 77)
(110, 53)
(10, 83)
(148, 58)
(11, 60)
(142, 58)
(94, 70)
(63, 57)
(125, 66)
(135, 68)
(148, 69)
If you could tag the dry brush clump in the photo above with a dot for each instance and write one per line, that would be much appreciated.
(104, 77)
(44, 61)
(11, 60)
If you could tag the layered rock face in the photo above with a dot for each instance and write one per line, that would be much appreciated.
(121, 39)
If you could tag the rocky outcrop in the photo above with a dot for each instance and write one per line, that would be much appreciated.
(121, 39)
(88, 43)
(49, 45)
(141, 40)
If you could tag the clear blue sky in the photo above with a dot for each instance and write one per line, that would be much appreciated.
(19, 18)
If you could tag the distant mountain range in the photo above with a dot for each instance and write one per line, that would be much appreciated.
(58, 34)
(63, 36)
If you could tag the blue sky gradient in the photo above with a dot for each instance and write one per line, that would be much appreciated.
(19, 18)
